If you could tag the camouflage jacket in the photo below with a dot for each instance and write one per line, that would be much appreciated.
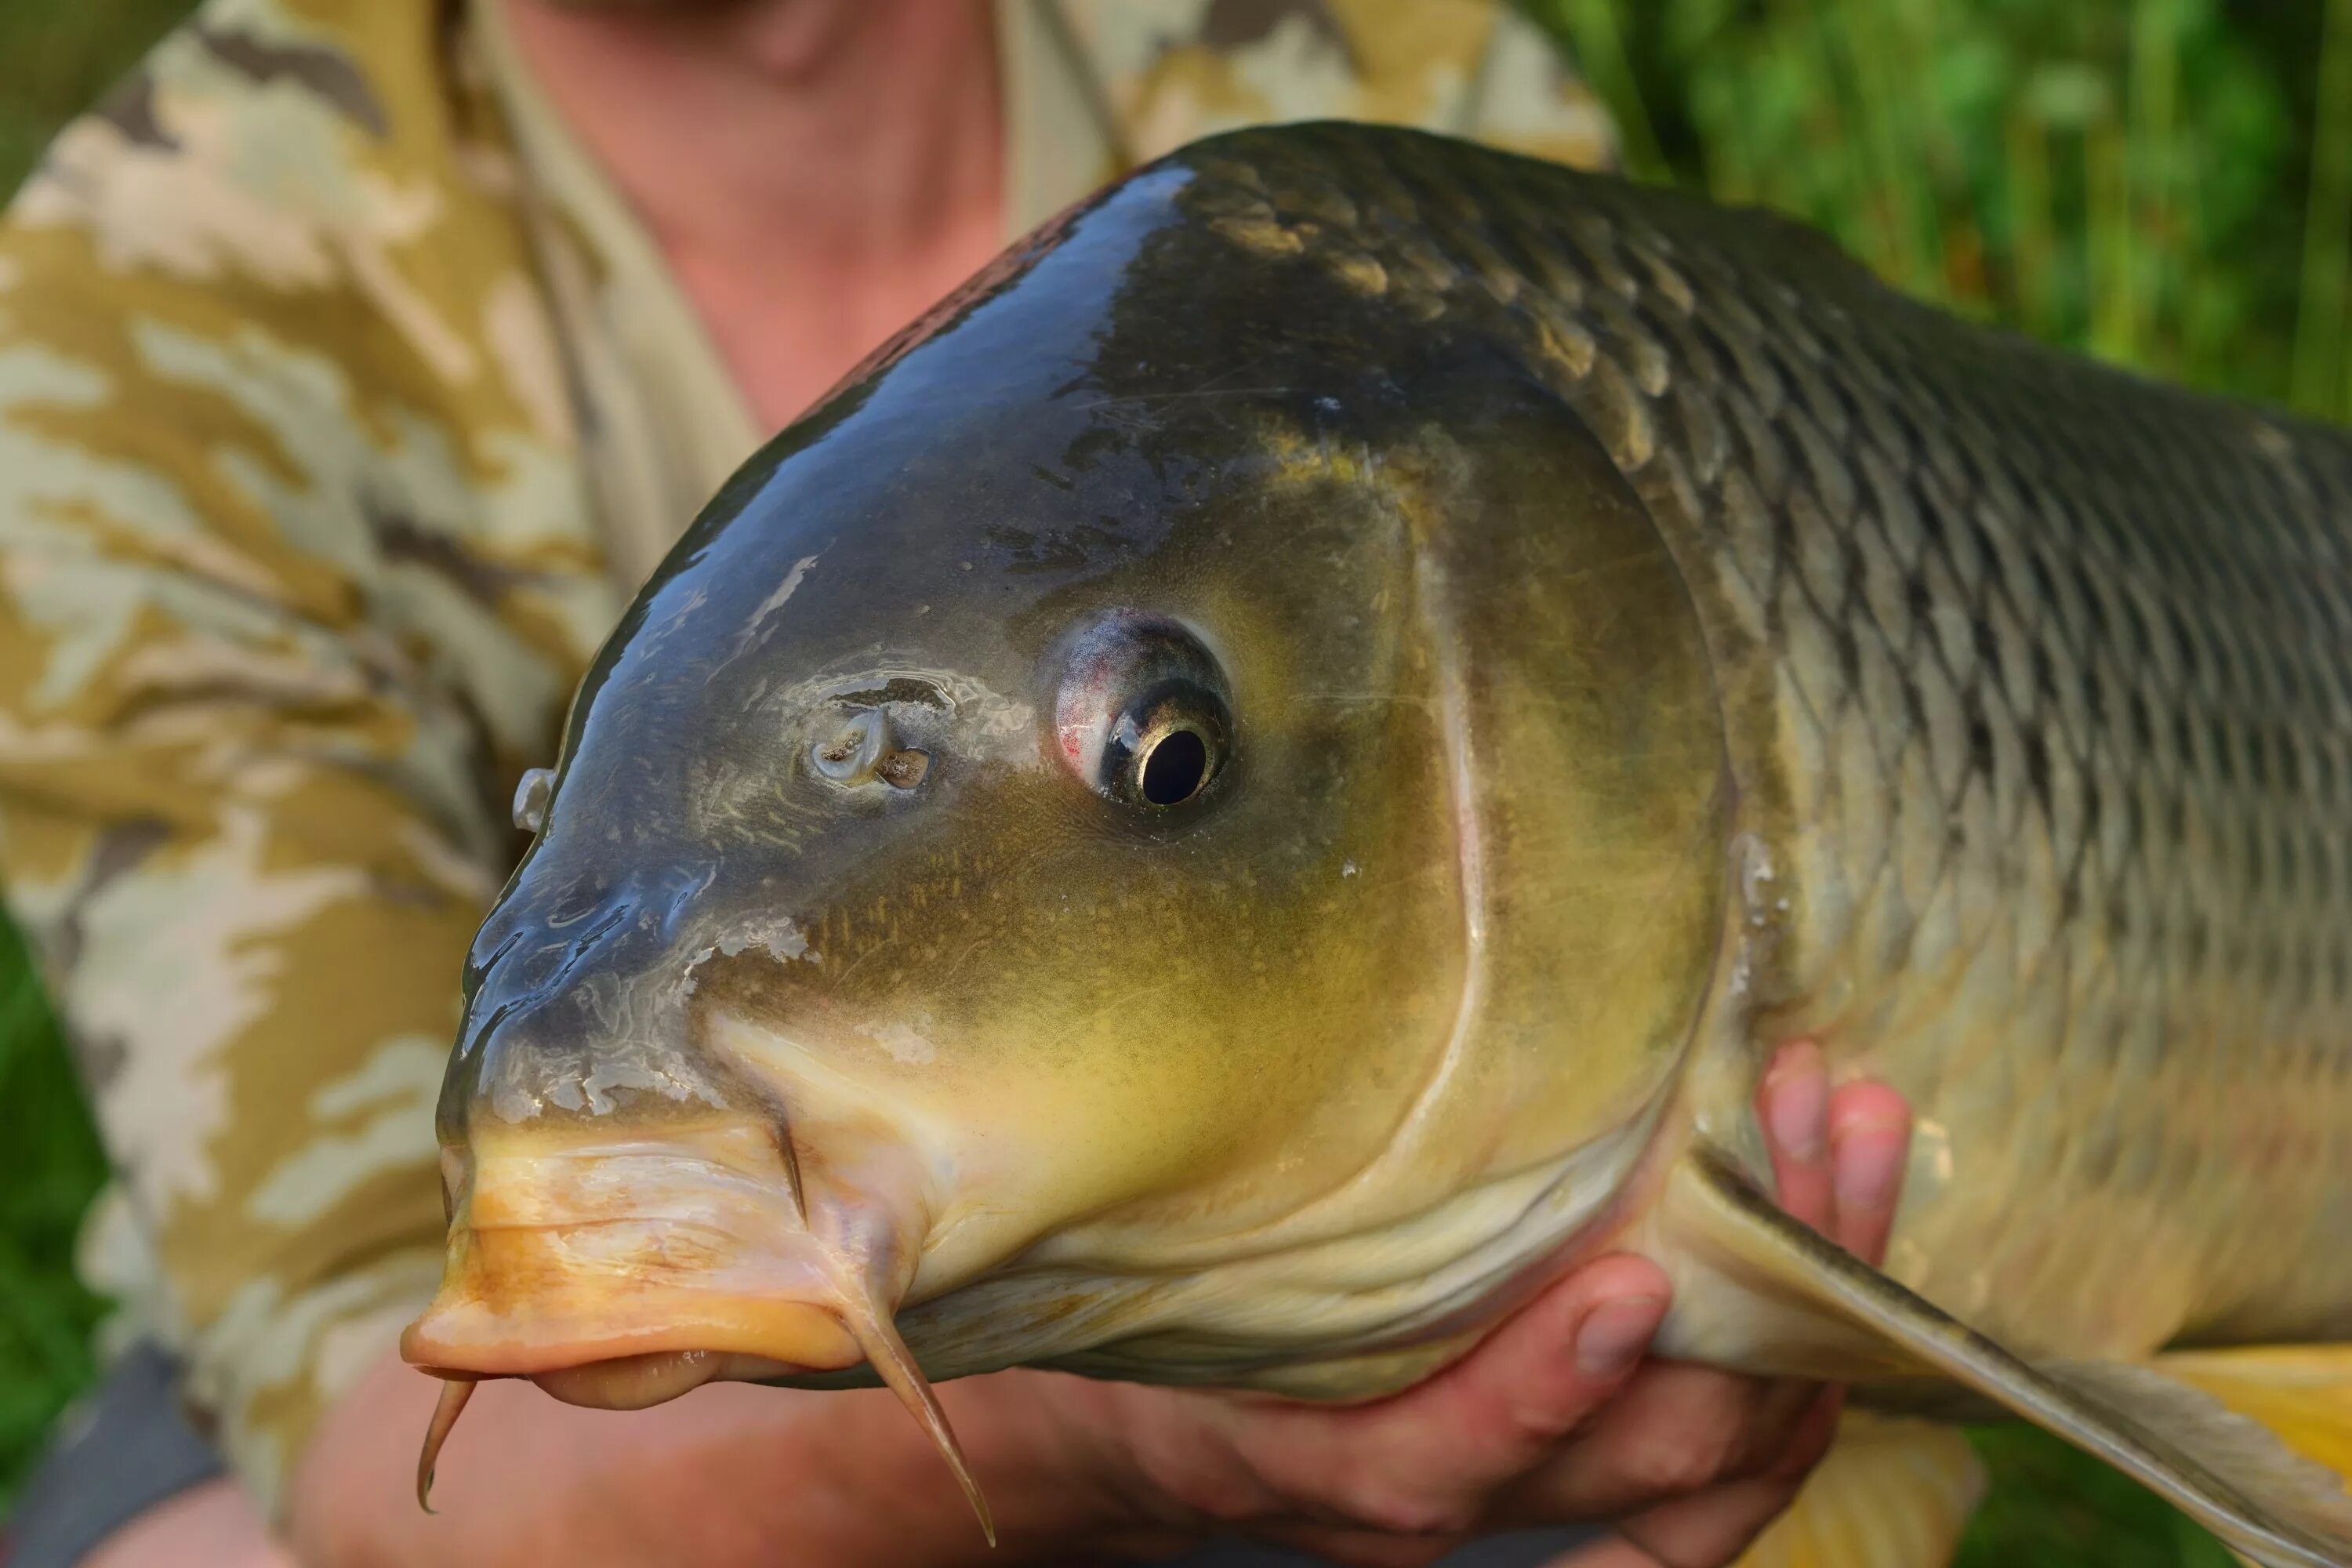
(340, 404)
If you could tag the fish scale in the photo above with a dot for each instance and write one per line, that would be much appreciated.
(2042, 676)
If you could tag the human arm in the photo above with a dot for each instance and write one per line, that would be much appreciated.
(288, 581)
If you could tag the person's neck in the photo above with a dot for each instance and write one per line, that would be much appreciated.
(817, 171)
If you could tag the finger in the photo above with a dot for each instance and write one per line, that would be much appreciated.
(1675, 1429)
(1714, 1527)
(1426, 1462)
(1869, 1137)
(1793, 1104)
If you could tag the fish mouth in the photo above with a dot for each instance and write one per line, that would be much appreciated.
(544, 1300)
(568, 1250)
(615, 1313)
(619, 1273)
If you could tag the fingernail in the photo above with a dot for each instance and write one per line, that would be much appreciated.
(1797, 1104)
(1615, 1334)
(1868, 1165)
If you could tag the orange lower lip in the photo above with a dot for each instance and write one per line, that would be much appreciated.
(634, 1381)
(520, 1302)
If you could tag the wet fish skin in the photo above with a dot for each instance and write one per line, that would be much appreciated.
(1646, 639)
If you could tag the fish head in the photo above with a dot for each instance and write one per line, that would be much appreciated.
(1146, 833)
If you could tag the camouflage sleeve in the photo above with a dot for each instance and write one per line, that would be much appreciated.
(294, 576)
(1529, 98)
(1171, 70)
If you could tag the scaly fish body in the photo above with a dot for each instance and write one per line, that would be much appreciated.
(1274, 770)
(2039, 678)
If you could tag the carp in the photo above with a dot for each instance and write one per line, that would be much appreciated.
(1276, 767)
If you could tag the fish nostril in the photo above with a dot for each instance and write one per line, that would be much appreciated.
(903, 769)
(846, 753)
(862, 748)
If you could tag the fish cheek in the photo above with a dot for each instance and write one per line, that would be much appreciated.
(1073, 1017)
(1239, 999)
(1238, 1017)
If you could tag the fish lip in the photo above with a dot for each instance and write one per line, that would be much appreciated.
(467, 1339)
(551, 1294)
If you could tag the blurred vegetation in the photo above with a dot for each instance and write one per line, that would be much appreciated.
(57, 56)
(50, 1166)
(2167, 183)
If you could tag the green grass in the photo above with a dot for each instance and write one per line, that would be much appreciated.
(2051, 1507)
(2164, 183)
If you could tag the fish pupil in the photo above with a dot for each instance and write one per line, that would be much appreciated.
(1174, 769)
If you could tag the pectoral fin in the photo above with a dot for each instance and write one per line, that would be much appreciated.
(2222, 1468)
(1892, 1493)
(2302, 1393)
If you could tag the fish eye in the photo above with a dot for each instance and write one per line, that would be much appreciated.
(1142, 716)
(1173, 768)
(1165, 747)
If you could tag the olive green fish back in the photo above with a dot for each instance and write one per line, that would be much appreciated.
(2038, 684)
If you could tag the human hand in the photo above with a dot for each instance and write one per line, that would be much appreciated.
(1557, 1418)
